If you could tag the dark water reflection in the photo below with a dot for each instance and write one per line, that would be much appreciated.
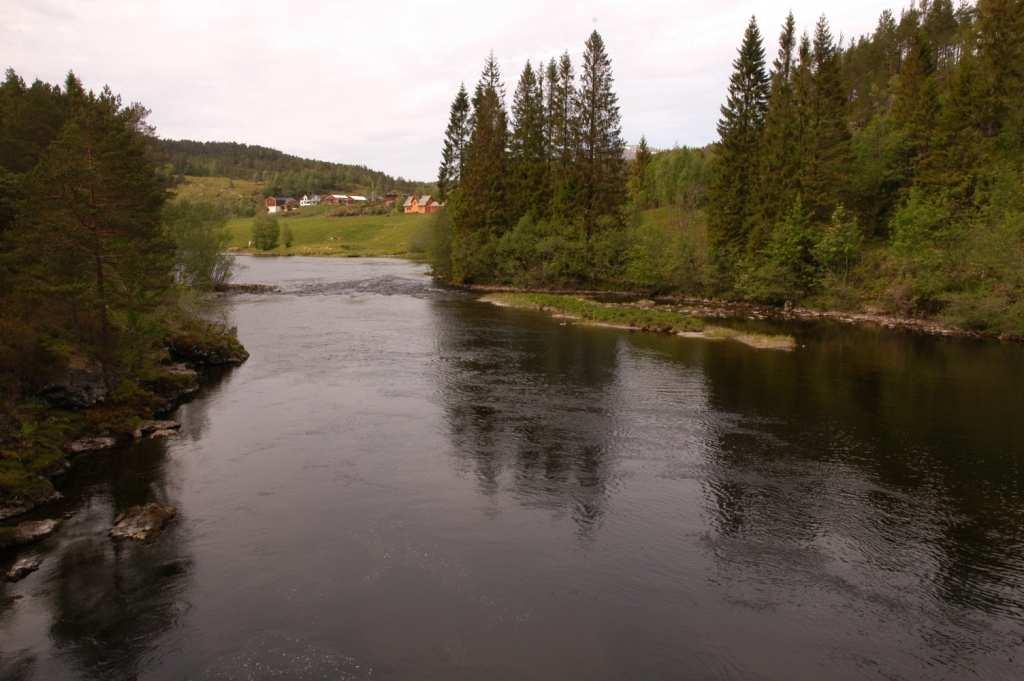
(404, 483)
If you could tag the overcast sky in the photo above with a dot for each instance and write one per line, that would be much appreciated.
(371, 82)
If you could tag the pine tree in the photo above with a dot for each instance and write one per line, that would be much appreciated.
(827, 154)
(731, 205)
(600, 163)
(528, 148)
(480, 205)
(455, 138)
(95, 236)
(780, 151)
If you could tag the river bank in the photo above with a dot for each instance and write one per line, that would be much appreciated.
(643, 315)
(78, 413)
(710, 308)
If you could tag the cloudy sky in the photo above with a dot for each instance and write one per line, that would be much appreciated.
(371, 82)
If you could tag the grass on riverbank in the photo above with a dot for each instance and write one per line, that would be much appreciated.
(314, 233)
(635, 317)
(626, 316)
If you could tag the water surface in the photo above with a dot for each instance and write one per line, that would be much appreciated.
(404, 483)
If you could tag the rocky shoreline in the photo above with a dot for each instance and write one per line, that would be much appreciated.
(710, 308)
(88, 419)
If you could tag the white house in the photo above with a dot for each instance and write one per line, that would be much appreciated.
(308, 200)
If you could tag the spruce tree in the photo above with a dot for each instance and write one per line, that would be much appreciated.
(562, 144)
(480, 205)
(455, 137)
(731, 205)
(915, 107)
(528, 148)
(827, 153)
(600, 162)
(638, 189)
(780, 150)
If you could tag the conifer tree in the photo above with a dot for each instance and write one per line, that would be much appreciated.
(827, 154)
(638, 189)
(455, 138)
(780, 151)
(95, 236)
(481, 203)
(562, 144)
(528, 147)
(915, 106)
(740, 127)
(600, 163)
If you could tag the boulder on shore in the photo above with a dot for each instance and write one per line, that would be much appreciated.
(155, 429)
(27, 532)
(23, 567)
(81, 385)
(142, 522)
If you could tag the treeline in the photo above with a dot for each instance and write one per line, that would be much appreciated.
(280, 173)
(95, 271)
(541, 198)
(882, 174)
(887, 172)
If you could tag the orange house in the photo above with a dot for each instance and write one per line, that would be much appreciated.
(421, 205)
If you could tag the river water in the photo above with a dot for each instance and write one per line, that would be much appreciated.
(405, 483)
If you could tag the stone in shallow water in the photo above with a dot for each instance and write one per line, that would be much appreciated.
(90, 444)
(27, 532)
(142, 522)
(155, 429)
(23, 567)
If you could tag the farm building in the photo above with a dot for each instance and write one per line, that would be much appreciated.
(281, 204)
(342, 199)
(421, 205)
(309, 200)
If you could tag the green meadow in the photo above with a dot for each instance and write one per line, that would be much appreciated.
(314, 233)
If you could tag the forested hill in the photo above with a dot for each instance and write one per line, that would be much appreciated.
(281, 173)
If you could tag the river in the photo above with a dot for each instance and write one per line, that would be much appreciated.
(405, 483)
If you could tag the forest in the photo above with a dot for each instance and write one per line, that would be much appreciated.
(882, 173)
(101, 281)
(280, 173)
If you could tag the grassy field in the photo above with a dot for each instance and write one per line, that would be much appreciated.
(219, 190)
(313, 233)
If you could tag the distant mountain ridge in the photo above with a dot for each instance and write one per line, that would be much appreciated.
(279, 172)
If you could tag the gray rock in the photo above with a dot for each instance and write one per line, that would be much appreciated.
(90, 444)
(142, 522)
(23, 567)
(152, 428)
(27, 532)
(81, 386)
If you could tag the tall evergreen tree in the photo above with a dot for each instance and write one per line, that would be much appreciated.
(731, 206)
(562, 141)
(638, 189)
(95, 238)
(827, 154)
(915, 106)
(528, 147)
(480, 206)
(780, 150)
(600, 162)
(455, 138)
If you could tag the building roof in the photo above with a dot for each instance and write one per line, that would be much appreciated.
(409, 201)
(425, 200)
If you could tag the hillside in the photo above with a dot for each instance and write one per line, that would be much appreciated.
(276, 171)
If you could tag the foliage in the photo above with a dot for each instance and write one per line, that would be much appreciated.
(265, 232)
(200, 235)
